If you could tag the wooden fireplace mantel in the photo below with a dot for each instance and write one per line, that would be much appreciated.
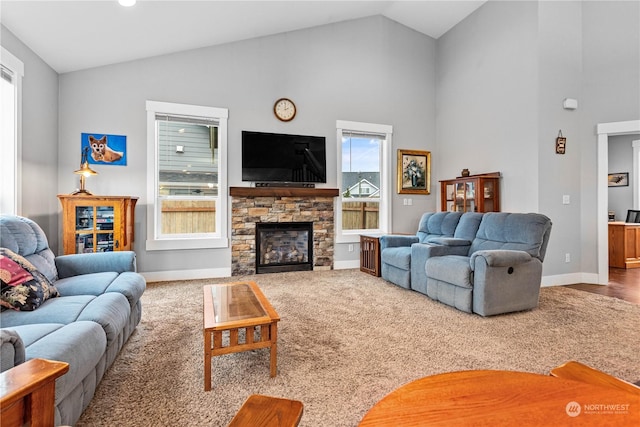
(282, 192)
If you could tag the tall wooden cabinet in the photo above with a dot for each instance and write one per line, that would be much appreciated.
(474, 193)
(97, 223)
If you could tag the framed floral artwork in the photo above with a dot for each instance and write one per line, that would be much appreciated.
(414, 172)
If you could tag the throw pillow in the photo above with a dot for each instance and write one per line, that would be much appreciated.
(24, 288)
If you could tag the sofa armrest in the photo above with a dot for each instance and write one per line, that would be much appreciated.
(98, 262)
(12, 352)
(500, 258)
(449, 241)
(396, 240)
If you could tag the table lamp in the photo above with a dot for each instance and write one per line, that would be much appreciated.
(84, 172)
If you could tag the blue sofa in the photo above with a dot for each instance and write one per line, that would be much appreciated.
(488, 264)
(97, 309)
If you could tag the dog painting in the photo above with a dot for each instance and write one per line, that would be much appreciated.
(105, 149)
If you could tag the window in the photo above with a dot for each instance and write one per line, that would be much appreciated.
(11, 72)
(364, 179)
(187, 176)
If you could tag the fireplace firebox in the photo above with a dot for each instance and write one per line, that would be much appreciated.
(284, 246)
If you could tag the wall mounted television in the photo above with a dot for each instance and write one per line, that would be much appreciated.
(283, 158)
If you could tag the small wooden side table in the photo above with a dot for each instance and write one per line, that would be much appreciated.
(370, 254)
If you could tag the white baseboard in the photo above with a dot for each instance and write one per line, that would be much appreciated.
(345, 265)
(570, 279)
(164, 276)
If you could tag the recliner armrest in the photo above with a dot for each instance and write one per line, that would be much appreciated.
(396, 240)
(98, 262)
(500, 257)
(423, 251)
(12, 351)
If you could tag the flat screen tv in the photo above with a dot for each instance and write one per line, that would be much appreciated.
(283, 158)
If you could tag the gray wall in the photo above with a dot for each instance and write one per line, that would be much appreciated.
(611, 92)
(39, 138)
(370, 70)
(502, 75)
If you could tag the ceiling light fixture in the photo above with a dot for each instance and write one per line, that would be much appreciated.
(127, 3)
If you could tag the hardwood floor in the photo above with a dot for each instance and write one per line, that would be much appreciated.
(623, 284)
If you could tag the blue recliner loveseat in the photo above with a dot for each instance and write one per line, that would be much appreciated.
(97, 309)
(484, 263)
(502, 270)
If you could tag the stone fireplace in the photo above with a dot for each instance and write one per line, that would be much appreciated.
(253, 205)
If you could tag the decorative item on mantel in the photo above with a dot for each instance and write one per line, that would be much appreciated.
(465, 172)
(84, 171)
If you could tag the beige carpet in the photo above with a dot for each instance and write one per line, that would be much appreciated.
(346, 339)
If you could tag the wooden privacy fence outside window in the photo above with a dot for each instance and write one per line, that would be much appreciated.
(188, 216)
(360, 215)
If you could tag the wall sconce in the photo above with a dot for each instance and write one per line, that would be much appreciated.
(84, 172)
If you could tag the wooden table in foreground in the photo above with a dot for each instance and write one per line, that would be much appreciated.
(28, 393)
(503, 398)
(232, 307)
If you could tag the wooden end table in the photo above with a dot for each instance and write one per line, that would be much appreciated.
(370, 254)
(233, 307)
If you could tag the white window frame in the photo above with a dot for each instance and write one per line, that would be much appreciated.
(386, 190)
(220, 238)
(12, 164)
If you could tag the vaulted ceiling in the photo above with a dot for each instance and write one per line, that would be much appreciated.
(75, 35)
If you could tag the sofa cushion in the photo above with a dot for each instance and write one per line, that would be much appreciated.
(24, 237)
(513, 231)
(111, 311)
(453, 269)
(129, 284)
(23, 286)
(80, 344)
(435, 224)
(63, 310)
(399, 257)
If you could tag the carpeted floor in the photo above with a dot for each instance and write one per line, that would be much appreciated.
(346, 339)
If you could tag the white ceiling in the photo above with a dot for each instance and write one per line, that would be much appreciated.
(75, 35)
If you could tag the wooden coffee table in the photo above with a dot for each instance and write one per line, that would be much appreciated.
(234, 307)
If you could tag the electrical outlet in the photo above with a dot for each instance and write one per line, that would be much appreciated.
(566, 199)
(410, 203)
(567, 257)
(351, 248)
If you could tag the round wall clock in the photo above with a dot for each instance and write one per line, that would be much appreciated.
(284, 109)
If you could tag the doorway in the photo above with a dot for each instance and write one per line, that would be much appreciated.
(605, 130)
